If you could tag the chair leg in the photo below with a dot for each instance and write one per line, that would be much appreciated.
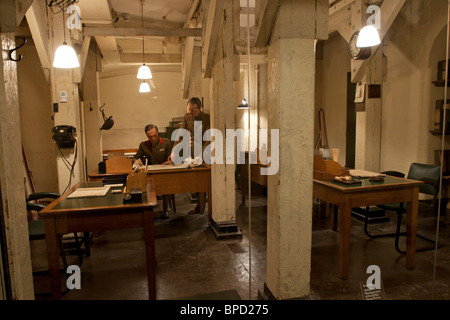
(87, 243)
(374, 236)
(398, 234)
(397, 238)
(78, 245)
(62, 253)
(172, 197)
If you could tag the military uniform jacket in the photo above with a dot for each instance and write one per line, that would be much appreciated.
(188, 124)
(156, 153)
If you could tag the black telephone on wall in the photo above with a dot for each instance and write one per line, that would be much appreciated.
(63, 136)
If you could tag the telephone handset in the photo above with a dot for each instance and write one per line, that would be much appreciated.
(63, 136)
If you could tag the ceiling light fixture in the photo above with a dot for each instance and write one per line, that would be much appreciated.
(244, 105)
(65, 56)
(144, 71)
(368, 37)
(144, 87)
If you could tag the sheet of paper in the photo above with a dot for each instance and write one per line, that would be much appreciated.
(90, 192)
(156, 167)
(364, 174)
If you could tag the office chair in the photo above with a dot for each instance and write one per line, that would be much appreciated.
(68, 244)
(430, 175)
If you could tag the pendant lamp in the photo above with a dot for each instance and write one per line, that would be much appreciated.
(65, 56)
(244, 105)
(144, 72)
(144, 87)
(368, 37)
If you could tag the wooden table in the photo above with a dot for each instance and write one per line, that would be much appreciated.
(173, 181)
(96, 214)
(346, 197)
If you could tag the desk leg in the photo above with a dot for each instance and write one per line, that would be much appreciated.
(53, 257)
(344, 239)
(201, 202)
(150, 253)
(334, 217)
(411, 228)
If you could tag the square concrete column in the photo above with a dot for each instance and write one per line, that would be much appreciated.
(291, 78)
(63, 82)
(12, 174)
(222, 118)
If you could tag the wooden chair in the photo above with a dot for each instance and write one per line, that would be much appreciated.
(70, 244)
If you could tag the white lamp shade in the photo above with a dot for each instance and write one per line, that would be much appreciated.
(144, 72)
(65, 57)
(244, 105)
(368, 37)
(144, 87)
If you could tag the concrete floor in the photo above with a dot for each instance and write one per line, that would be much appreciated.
(190, 261)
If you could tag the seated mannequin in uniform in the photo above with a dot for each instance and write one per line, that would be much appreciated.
(157, 151)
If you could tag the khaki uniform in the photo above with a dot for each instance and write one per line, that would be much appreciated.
(188, 124)
(156, 153)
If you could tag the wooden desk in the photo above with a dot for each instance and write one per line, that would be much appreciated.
(173, 181)
(392, 190)
(96, 214)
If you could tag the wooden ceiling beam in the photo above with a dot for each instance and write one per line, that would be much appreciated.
(266, 12)
(37, 22)
(212, 26)
(140, 32)
(150, 58)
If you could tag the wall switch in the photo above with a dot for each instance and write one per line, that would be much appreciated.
(63, 96)
(55, 107)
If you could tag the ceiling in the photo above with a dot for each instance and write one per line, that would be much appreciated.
(122, 51)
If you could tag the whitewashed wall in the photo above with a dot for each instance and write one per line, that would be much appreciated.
(132, 110)
(412, 48)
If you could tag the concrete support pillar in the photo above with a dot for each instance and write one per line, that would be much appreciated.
(70, 164)
(291, 79)
(93, 119)
(12, 179)
(368, 123)
(222, 118)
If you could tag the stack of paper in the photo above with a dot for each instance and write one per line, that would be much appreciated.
(364, 174)
(90, 192)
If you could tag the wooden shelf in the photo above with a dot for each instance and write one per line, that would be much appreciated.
(438, 132)
(441, 83)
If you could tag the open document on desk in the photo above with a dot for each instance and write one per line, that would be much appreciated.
(364, 174)
(157, 167)
(90, 192)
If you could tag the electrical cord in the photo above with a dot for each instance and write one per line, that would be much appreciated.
(70, 167)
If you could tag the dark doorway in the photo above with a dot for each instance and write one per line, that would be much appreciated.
(350, 145)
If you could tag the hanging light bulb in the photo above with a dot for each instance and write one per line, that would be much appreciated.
(144, 87)
(368, 37)
(244, 105)
(65, 57)
(144, 72)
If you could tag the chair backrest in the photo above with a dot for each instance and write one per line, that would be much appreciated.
(428, 173)
(394, 173)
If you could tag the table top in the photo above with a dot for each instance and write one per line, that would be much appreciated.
(170, 169)
(93, 204)
(388, 183)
